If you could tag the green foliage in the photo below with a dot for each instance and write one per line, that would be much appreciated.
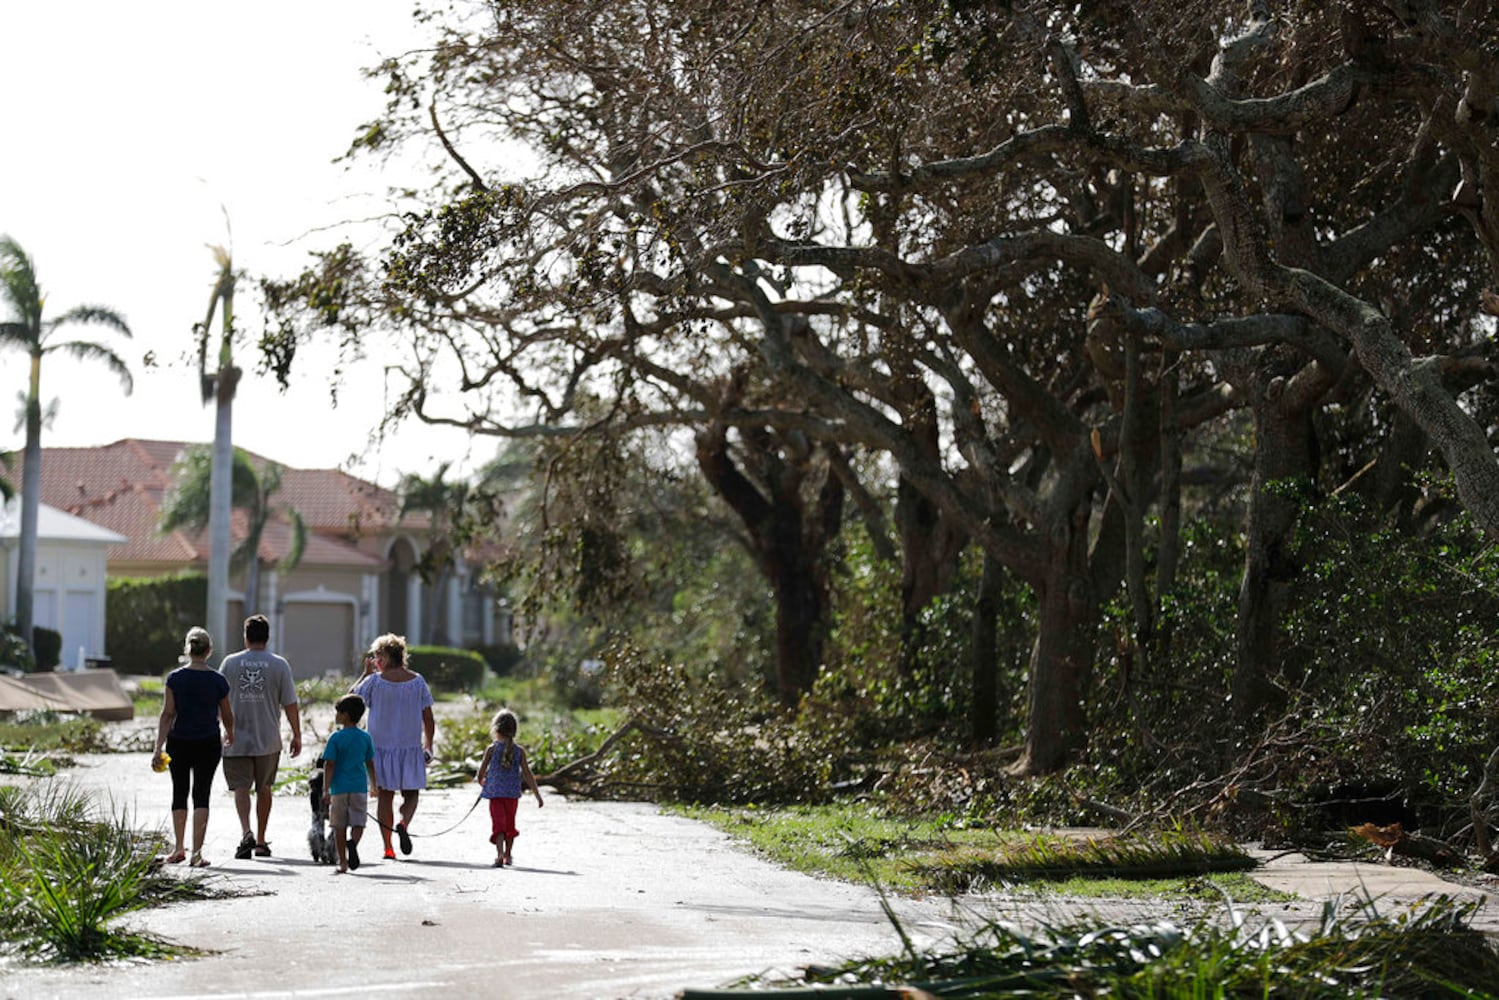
(1429, 950)
(553, 732)
(504, 658)
(46, 731)
(895, 688)
(711, 741)
(48, 645)
(1138, 752)
(448, 669)
(14, 652)
(146, 618)
(941, 852)
(66, 876)
(1394, 656)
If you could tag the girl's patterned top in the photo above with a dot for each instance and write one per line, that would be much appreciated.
(503, 782)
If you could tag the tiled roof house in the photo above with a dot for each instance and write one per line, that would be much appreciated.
(355, 579)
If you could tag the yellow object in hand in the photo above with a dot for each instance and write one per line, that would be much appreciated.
(161, 765)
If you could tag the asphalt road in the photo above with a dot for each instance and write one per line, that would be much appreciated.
(607, 900)
(604, 900)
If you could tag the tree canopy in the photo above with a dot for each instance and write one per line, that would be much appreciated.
(1016, 255)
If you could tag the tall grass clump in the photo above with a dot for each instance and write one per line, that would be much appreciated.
(67, 874)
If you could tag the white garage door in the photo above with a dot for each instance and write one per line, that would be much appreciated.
(318, 639)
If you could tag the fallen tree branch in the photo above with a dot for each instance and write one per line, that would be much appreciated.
(1479, 809)
(579, 775)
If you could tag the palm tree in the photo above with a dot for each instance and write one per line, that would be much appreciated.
(189, 505)
(30, 331)
(443, 500)
(219, 386)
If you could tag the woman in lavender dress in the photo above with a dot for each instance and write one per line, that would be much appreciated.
(402, 726)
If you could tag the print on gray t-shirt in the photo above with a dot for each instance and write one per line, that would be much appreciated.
(260, 684)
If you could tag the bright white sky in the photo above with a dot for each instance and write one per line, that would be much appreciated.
(126, 126)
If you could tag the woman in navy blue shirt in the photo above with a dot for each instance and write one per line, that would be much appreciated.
(195, 701)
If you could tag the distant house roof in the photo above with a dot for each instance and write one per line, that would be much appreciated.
(122, 487)
(53, 525)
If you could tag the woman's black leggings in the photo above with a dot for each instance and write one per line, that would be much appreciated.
(193, 763)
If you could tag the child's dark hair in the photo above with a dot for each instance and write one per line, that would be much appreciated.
(351, 705)
(504, 727)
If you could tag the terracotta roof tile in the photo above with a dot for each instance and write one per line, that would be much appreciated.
(121, 486)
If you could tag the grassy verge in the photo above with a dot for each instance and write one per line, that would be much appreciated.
(52, 732)
(68, 873)
(935, 854)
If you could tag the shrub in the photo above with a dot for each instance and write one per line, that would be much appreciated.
(14, 652)
(67, 874)
(146, 618)
(503, 657)
(448, 669)
(48, 646)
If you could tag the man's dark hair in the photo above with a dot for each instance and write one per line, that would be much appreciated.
(351, 705)
(257, 629)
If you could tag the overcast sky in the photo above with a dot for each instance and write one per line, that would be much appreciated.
(126, 126)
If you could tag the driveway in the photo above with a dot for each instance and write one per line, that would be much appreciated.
(609, 900)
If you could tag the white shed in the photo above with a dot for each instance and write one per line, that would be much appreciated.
(69, 588)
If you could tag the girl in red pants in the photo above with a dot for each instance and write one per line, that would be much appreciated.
(504, 775)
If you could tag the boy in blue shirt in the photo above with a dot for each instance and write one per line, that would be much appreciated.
(348, 774)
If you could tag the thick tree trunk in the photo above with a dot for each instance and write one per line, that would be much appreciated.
(930, 546)
(788, 536)
(986, 652)
(1062, 658)
(801, 621)
(1169, 555)
(1285, 450)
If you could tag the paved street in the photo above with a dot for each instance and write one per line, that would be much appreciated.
(608, 900)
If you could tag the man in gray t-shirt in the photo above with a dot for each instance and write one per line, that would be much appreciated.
(261, 690)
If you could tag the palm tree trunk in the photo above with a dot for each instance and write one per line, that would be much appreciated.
(31, 503)
(220, 485)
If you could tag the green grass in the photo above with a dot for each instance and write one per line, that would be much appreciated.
(147, 697)
(51, 732)
(936, 854)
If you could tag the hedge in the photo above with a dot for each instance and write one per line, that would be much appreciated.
(504, 658)
(48, 645)
(146, 619)
(448, 669)
(46, 642)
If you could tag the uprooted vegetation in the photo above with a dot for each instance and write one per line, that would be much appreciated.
(69, 870)
(1354, 952)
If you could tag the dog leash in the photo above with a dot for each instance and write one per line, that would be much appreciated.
(477, 799)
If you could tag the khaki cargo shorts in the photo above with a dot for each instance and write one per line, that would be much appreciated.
(258, 772)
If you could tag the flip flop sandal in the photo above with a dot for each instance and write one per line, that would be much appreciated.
(175, 858)
(405, 838)
(199, 861)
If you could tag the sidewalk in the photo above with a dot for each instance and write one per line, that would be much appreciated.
(609, 900)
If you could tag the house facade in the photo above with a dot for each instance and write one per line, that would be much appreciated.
(69, 588)
(357, 578)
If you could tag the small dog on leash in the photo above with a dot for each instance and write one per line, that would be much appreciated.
(319, 835)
